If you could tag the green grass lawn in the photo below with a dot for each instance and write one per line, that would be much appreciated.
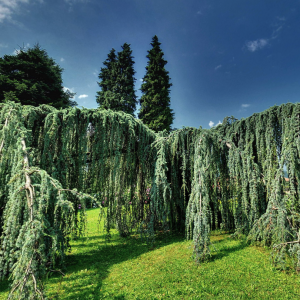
(126, 268)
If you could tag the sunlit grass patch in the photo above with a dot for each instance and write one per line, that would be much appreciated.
(126, 268)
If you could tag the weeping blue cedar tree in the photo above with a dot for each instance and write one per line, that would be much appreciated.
(229, 177)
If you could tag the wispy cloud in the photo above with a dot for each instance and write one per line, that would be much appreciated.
(281, 18)
(199, 12)
(276, 32)
(244, 107)
(71, 2)
(82, 96)
(62, 59)
(10, 7)
(212, 124)
(218, 67)
(257, 44)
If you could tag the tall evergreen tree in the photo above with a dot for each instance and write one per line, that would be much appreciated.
(117, 82)
(107, 76)
(31, 77)
(155, 102)
(125, 80)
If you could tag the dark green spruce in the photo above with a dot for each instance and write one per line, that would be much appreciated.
(107, 76)
(155, 109)
(31, 77)
(117, 82)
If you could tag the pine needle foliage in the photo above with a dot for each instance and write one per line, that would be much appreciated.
(107, 76)
(31, 77)
(47, 156)
(155, 109)
(52, 162)
(117, 82)
(239, 183)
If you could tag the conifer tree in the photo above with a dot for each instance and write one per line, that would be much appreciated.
(117, 82)
(155, 102)
(125, 80)
(31, 77)
(107, 78)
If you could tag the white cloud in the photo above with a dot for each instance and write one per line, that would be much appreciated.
(71, 2)
(62, 59)
(68, 89)
(245, 105)
(17, 51)
(71, 90)
(5, 13)
(82, 96)
(218, 67)
(257, 44)
(261, 43)
(212, 124)
(11, 7)
(141, 79)
(276, 32)
(281, 18)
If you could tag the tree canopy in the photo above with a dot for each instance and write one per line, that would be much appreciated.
(117, 82)
(31, 77)
(155, 109)
(229, 177)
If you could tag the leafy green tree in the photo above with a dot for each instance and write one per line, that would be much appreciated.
(31, 77)
(155, 102)
(117, 82)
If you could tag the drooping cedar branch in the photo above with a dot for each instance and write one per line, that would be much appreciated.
(194, 180)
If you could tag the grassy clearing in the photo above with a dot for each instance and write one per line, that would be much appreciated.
(126, 268)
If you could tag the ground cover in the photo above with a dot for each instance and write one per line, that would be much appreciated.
(127, 268)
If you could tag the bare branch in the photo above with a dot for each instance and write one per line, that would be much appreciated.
(5, 125)
(287, 243)
(28, 184)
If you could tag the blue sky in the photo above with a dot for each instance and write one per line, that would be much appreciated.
(225, 58)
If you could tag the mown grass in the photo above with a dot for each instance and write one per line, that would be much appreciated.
(126, 268)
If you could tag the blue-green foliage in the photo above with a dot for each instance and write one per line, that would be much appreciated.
(239, 182)
(228, 177)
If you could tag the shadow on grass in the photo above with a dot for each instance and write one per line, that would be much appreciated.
(4, 286)
(87, 268)
(222, 251)
(91, 259)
